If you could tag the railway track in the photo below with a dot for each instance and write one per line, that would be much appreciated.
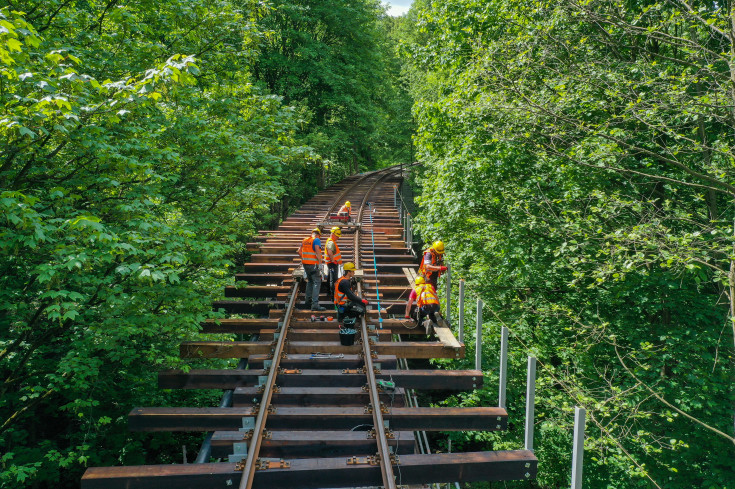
(306, 411)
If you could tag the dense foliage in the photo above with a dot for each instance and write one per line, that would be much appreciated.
(579, 164)
(138, 155)
(334, 62)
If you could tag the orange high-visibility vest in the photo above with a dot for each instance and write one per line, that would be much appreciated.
(337, 253)
(340, 299)
(344, 210)
(435, 260)
(426, 295)
(307, 252)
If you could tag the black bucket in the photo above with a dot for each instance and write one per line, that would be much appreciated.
(347, 336)
(347, 332)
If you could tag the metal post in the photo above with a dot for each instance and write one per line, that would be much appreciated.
(395, 196)
(404, 224)
(503, 366)
(530, 399)
(578, 447)
(409, 240)
(478, 337)
(448, 285)
(461, 310)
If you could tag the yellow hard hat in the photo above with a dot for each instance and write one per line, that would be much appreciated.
(317, 230)
(439, 247)
(349, 267)
(420, 281)
(337, 231)
(348, 204)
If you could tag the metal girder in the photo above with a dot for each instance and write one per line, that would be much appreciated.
(322, 472)
(411, 379)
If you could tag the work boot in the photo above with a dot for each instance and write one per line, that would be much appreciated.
(318, 308)
(307, 306)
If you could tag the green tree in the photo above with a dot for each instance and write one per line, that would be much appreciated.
(578, 162)
(130, 176)
(332, 60)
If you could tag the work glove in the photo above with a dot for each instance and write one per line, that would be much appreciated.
(407, 316)
(442, 269)
(364, 301)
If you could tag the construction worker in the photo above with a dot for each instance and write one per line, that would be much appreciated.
(348, 303)
(345, 211)
(333, 257)
(310, 252)
(432, 264)
(425, 296)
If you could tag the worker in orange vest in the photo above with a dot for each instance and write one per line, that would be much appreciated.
(310, 252)
(333, 257)
(432, 264)
(426, 299)
(348, 303)
(345, 211)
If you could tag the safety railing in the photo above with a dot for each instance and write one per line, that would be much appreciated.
(579, 412)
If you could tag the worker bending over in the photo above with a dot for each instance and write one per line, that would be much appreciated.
(333, 257)
(427, 302)
(345, 211)
(348, 303)
(310, 252)
(432, 264)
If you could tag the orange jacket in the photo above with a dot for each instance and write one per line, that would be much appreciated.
(307, 252)
(436, 260)
(426, 295)
(337, 253)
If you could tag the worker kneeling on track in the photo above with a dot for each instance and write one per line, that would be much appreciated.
(348, 303)
(427, 301)
(343, 214)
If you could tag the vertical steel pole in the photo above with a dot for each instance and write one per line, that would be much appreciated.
(461, 310)
(409, 230)
(478, 337)
(395, 196)
(448, 285)
(530, 399)
(578, 448)
(503, 366)
(404, 224)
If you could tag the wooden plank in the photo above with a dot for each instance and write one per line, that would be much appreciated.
(231, 379)
(298, 444)
(335, 361)
(247, 307)
(316, 396)
(445, 335)
(318, 418)
(263, 278)
(243, 349)
(242, 326)
(255, 291)
(312, 335)
(310, 473)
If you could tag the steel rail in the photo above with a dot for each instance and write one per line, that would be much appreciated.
(246, 482)
(386, 466)
(249, 470)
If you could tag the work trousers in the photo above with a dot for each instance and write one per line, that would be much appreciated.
(428, 310)
(432, 279)
(333, 275)
(350, 310)
(313, 284)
